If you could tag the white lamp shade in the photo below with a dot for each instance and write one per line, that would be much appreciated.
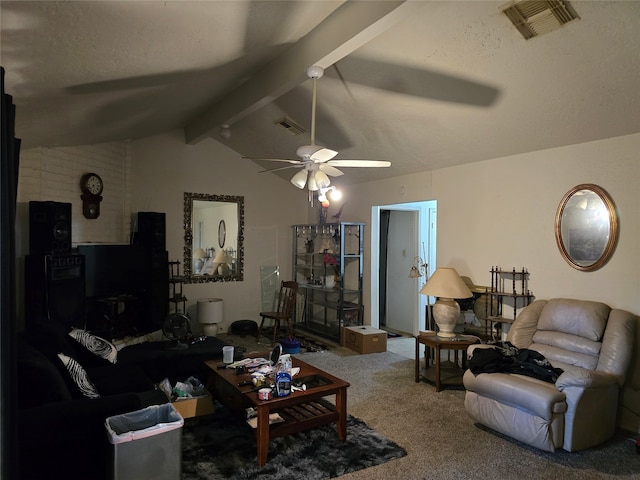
(322, 180)
(446, 283)
(300, 179)
(222, 257)
(199, 253)
(210, 313)
(312, 184)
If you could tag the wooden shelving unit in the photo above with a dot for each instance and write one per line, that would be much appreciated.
(177, 300)
(507, 284)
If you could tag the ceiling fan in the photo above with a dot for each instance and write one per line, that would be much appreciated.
(317, 162)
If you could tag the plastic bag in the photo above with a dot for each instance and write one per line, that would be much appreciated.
(197, 388)
(191, 387)
(144, 423)
(165, 386)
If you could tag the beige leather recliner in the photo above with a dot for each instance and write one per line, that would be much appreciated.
(592, 343)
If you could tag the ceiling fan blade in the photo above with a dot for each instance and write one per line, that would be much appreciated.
(323, 155)
(417, 82)
(329, 170)
(300, 179)
(300, 165)
(359, 163)
(273, 159)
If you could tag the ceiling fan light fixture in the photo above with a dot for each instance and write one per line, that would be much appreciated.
(311, 182)
(321, 178)
(316, 161)
(300, 179)
(335, 194)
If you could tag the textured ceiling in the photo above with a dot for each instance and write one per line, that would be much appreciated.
(426, 85)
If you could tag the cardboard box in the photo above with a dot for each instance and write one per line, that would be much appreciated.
(194, 407)
(364, 339)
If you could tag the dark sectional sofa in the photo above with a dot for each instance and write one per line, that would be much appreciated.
(61, 431)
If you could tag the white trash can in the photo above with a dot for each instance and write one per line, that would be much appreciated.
(146, 444)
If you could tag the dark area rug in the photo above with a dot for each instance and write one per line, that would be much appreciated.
(222, 445)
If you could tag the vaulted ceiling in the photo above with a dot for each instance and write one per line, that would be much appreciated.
(424, 84)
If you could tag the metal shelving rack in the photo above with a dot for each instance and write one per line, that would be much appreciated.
(328, 304)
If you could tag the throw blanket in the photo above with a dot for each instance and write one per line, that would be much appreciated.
(507, 358)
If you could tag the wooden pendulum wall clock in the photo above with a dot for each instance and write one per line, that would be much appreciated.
(91, 186)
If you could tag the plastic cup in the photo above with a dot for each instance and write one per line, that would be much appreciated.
(227, 354)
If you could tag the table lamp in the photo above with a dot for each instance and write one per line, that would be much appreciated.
(446, 284)
(221, 262)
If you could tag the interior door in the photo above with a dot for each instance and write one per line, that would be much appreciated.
(400, 310)
(396, 240)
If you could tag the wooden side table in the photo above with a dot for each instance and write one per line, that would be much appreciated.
(438, 374)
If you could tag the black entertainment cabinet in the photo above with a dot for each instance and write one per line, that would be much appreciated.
(112, 289)
(126, 288)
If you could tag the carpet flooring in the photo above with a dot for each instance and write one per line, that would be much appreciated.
(222, 445)
(441, 441)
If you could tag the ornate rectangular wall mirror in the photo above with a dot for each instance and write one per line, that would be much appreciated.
(213, 238)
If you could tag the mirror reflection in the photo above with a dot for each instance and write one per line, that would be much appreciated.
(586, 227)
(214, 226)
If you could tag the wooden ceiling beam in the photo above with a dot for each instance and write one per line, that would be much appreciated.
(349, 27)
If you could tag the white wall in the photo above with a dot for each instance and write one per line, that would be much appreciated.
(502, 212)
(152, 174)
(164, 167)
(498, 212)
(53, 174)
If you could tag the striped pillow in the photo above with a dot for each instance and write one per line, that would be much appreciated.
(79, 376)
(96, 345)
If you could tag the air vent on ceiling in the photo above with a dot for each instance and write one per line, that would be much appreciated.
(535, 17)
(290, 126)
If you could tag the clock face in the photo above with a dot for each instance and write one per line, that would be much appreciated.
(93, 184)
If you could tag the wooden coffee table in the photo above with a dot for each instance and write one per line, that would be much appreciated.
(301, 410)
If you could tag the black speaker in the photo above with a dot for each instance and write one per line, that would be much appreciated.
(151, 231)
(49, 228)
(155, 293)
(54, 290)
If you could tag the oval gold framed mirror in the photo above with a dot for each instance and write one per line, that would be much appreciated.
(586, 227)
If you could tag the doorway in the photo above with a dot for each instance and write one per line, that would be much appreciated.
(400, 233)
